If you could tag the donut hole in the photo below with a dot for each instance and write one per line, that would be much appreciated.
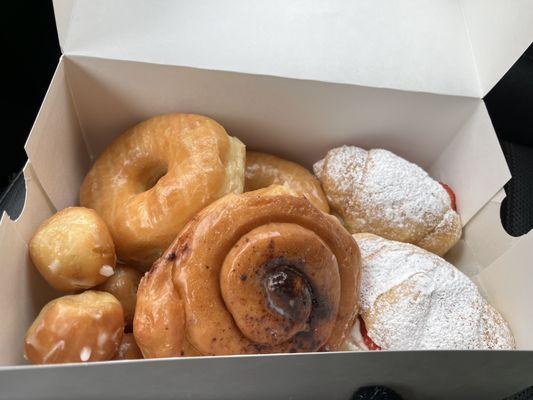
(151, 174)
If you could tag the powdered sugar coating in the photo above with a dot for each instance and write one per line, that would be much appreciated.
(411, 299)
(377, 191)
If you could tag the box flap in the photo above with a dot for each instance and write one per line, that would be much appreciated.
(62, 11)
(55, 145)
(500, 31)
(508, 286)
(485, 234)
(20, 280)
(415, 375)
(473, 164)
(409, 44)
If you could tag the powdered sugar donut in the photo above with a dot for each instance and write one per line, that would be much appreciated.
(411, 299)
(378, 192)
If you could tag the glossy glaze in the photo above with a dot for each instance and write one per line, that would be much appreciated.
(123, 285)
(220, 264)
(263, 170)
(73, 249)
(76, 328)
(156, 176)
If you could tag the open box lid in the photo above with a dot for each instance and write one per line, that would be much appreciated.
(458, 47)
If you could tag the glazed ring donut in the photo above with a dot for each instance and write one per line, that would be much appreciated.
(263, 170)
(151, 180)
(251, 274)
(76, 328)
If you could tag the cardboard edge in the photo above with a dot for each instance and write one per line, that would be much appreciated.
(68, 65)
(18, 274)
(508, 286)
(37, 206)
(73, 55)
(472, 54)
(56, 130)
(485, 374)
(499, 32)
(486, 235)
(63, 15)
(473, 163)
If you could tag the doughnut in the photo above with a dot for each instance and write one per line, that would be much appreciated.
(251, 273)
(378, 192)
(128, 349)
(263, 170)
(123, 285)
(76, 328)
(73, 250)
(411, 299)
(156, 176)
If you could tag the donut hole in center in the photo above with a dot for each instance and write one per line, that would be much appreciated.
(151, 173)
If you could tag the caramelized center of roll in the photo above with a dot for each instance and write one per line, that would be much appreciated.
(281, 280)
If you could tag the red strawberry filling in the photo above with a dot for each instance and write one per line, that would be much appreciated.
(369, 342)
(451, 194)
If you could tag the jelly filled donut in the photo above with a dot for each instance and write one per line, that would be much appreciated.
(73, 249)
(156, 176)
(251, 274)
(411, 299)
(81, 327)
(378, 192)
(263, 170)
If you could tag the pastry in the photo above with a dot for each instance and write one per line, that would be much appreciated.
(378, 192)
(411, 299)
(263, 170)
(251, 274)
(156, 176)
(73, 250)
(128, 349)
(123, 285)
(76, 328)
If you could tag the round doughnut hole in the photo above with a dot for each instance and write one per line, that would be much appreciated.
(151, 173)
(73, 250)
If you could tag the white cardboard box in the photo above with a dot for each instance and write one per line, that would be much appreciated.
(294, 78)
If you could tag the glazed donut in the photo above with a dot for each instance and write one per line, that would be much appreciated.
(81, 327)
(411, 299)
(251, 274)
(128, 349)
(263, 170)
(123, 285)
(151, 180)
(73, 250)
(378, 192)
